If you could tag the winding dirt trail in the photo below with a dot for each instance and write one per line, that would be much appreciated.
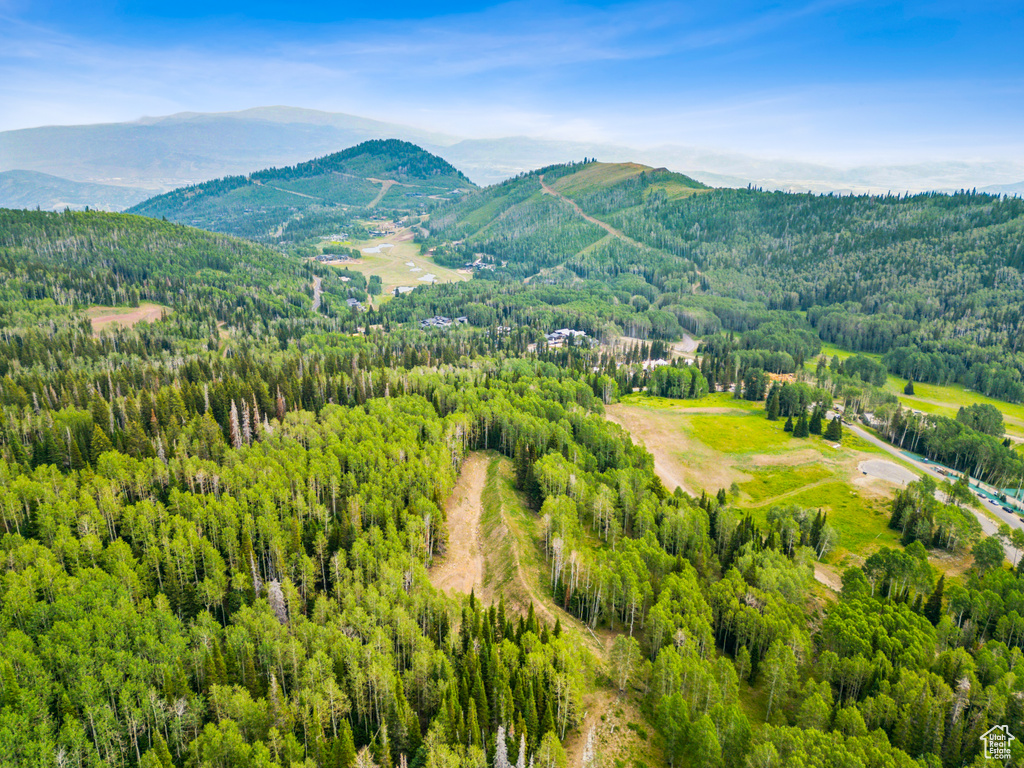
(602, 224)
(463, 567)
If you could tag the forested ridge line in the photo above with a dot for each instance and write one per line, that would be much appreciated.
(326, 194)
(932, 281)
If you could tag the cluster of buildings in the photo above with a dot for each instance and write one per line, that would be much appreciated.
(385, 228)
(478, 264)
(326, 258)
(560, 337)
(650, 365)
(440, 321)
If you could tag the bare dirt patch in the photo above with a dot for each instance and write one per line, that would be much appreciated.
(126, 317)
(656, 438)
(680, 461)
(828, 576)
(463, 567)
(621, 730)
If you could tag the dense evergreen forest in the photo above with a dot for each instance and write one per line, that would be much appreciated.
(216, 548)
(934, 282)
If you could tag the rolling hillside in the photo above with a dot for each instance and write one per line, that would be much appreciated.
(30, 189)
(555, 223)
(382, 174)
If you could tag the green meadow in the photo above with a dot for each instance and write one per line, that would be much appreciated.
(718, 442)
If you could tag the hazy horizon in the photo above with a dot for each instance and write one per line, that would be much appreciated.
(836, 83)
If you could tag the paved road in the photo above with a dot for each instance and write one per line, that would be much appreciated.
(687, 347)
(987, 524)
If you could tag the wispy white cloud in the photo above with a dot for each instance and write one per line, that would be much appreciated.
(640, 73)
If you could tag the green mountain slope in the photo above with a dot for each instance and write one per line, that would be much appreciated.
(556, 221)
(384, 174)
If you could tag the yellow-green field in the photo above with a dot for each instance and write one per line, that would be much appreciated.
(718, 442)
(392, 265)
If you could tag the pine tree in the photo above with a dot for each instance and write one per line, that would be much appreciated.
(834, 433)
(480, 698)
(802, 428)
(163, 753)
(18, 451)
(472, 725)
(548, 723)
(909, 389)
(77, 462)
(816, 419)
(951, 750)
(933, 608)
(773, 405)
(532, 725)
(100, 443)
(788, 426)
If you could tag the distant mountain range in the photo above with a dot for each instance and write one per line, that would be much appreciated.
(164, 153)
(31, 189)
(394, 174)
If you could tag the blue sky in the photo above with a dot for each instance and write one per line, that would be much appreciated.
(834, 81)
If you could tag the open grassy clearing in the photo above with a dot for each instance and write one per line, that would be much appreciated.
(717, 442)
(104, 317)
(400, 265)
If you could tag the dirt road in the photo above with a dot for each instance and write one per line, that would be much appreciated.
(287, 191)
(463, 567)
(687, 347)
